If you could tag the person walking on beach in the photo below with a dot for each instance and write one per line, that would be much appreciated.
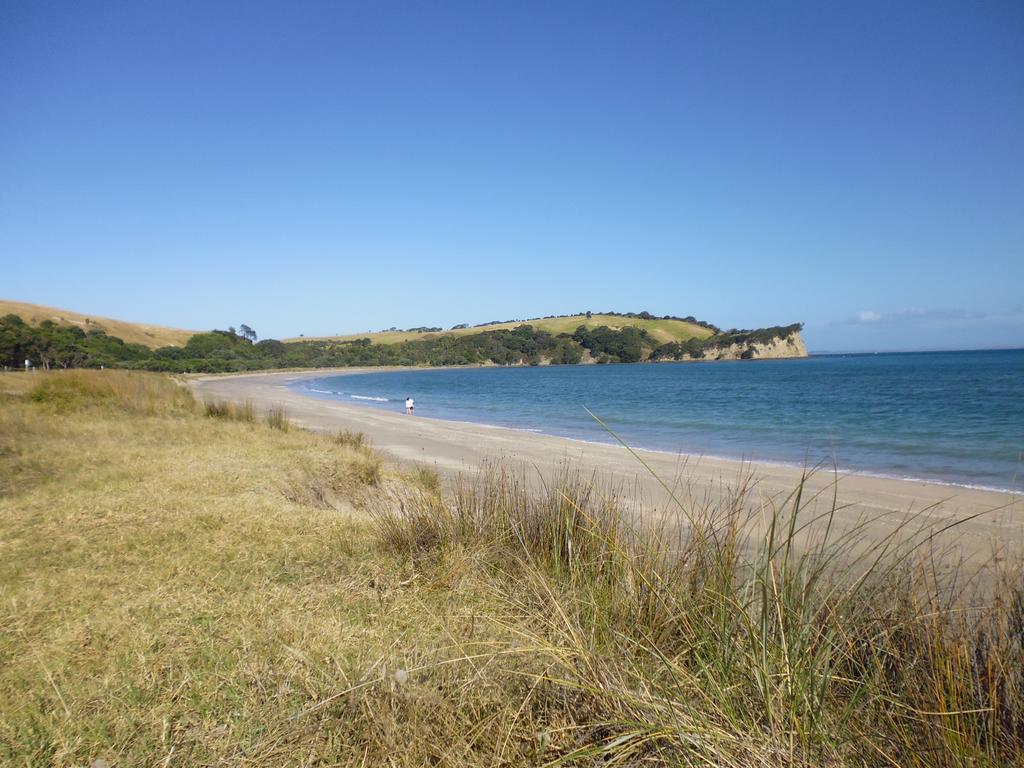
(410, 406)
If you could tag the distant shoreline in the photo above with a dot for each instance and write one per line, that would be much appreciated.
(469, 366)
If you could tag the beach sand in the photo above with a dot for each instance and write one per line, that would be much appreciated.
(985, 521)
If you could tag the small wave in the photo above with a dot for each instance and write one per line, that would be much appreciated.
(364, 397)
(322, 391)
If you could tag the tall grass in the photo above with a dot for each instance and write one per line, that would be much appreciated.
(277, 418)
(134, 392)
(426, 478)
(163, 602)
(222, 409)
(350, 438)
(736, 638)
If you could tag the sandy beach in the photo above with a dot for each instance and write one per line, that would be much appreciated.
(983, 519)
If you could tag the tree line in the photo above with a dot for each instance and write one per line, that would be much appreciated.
(49, 345)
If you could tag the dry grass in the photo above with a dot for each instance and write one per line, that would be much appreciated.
(120, 391)
(276, 417)
(170, 596)
(661, 330)
(350, 438)
(728, 644)
(184, 590)
(427, 479)
(16, 383)
(222, 409)
(152, 336)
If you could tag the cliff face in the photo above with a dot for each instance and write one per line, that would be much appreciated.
(791, 346)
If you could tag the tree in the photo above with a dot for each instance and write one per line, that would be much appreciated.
(272, 348)
(14, 334)
(247, 333)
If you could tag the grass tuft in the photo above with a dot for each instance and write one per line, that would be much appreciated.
(367, 468)
(277, 418)
(350, 438)
(221, 409)
(426, 478)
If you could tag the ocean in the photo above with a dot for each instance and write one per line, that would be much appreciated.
(952, 417)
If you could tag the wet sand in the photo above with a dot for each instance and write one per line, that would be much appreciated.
(982, 520)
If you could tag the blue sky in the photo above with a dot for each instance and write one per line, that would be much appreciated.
(314, 168)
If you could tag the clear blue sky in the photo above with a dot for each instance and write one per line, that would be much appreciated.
(309, 167)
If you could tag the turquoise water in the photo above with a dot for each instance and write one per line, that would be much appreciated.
(955, 417)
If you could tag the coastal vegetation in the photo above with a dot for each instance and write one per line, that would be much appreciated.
(192, 584)
(699, 349)
(52, 345)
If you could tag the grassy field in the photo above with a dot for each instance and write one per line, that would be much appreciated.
(661, 330)
(152, 336)
(201, 584)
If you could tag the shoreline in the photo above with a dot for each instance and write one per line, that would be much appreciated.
(983, 518)
(646, 449)
(793, 464)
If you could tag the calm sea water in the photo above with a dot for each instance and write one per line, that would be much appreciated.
(956, 417)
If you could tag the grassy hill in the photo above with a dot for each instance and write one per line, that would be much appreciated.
(53, 338)
(153, 336)
(662, 330)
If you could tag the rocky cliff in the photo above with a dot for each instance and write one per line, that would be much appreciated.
(791, 346)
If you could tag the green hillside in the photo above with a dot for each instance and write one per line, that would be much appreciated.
(661, 329)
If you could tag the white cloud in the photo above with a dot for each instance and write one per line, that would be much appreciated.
(932, 318)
